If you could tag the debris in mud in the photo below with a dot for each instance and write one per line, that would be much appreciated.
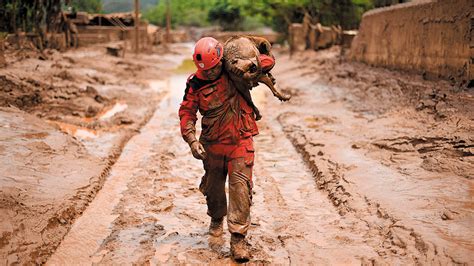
(65, 75)
(44, 100)
(115, 50)
(448, 215)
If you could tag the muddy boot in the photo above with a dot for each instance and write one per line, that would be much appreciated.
(238, 248)
(216, 227)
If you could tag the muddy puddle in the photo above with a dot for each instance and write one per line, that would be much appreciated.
(76, 131)
(117, 108)
(99, 142)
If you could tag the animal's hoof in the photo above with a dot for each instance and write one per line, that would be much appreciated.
(285, 98)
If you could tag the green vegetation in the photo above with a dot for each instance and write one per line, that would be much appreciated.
(114, 6)
(29, 15)
(184, 13)
(252, 14)
(228, 16)
(35, 15)
(90, 6)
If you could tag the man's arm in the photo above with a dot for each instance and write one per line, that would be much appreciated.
(267, 62)
(187, 114)
(187, 117)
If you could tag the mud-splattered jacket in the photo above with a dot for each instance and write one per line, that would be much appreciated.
(226, 116)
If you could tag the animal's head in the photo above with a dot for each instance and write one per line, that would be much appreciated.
(241, 59)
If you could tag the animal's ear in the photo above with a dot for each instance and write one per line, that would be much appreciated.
(262, 44)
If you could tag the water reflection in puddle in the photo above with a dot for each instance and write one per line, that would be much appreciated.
(117, 108)
(174, 86)
(76, 131)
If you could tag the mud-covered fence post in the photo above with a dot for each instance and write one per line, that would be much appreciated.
(137, 25)
(3, 62)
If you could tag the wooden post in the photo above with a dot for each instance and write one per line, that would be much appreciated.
(168, 20)
(3, 62)
(137, 25)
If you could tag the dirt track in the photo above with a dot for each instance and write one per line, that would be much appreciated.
(160, 214)
(362, 166)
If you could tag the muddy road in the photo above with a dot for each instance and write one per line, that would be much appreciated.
(362, 166)
(150, 209)
(326, 191)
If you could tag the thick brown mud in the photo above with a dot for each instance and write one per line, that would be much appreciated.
(160, 216)
(362, 166)
(323, 191)
(64, 123)
(404, 170)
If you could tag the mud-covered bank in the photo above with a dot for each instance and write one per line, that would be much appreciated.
(71, 116)
(391, 149)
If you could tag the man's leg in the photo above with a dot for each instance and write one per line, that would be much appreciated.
(240, 174)
(213, 187)
(240, 199)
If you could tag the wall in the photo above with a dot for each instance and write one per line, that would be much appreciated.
(427, 37)
(100, 34)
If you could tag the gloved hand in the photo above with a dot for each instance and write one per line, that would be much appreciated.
(198, 150)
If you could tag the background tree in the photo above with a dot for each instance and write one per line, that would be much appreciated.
(228, 16)
(184, 13)
(113, 6)
(90, 6)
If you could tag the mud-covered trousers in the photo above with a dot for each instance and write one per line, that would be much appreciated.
(236, 160)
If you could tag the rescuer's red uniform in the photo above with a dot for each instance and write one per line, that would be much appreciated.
(228, 125)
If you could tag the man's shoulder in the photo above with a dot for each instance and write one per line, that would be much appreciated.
(196, 83)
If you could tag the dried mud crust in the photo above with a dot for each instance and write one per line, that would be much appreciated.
(58, 174)
(351, 117)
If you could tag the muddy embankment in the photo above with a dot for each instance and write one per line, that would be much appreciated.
(390, 149)
(65, 118)
(433, 38)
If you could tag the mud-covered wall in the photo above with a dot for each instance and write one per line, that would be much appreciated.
(428, 37)
(100, 34)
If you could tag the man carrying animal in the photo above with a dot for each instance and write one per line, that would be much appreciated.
(226, 142)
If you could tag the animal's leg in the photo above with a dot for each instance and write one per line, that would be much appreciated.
(258, 116)
(267, 81)
(248, 98)
(271, 78)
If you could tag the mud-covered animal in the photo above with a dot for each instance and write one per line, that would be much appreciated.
(242, 62)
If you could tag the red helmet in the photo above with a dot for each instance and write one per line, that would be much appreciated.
(207, 53)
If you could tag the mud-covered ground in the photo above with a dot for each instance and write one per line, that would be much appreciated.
(362, 166)
(391, 149)
(64, 121)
